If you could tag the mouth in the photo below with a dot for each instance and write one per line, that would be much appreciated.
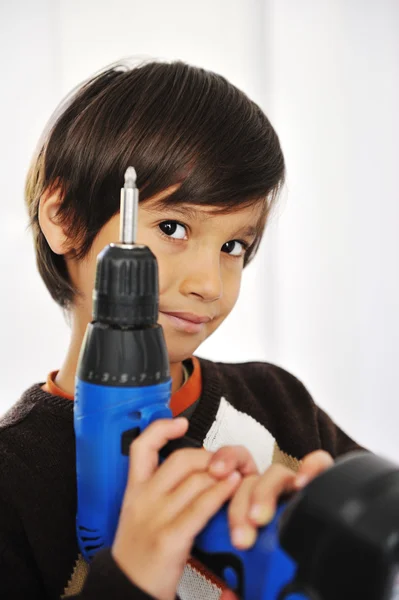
(187, 322)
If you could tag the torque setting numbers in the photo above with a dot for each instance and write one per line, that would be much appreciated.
(126, 378)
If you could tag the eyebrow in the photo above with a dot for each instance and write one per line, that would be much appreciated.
(249, 231)
(185, 211)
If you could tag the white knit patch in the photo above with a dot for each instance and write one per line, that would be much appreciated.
(195, 586)
(232, 427)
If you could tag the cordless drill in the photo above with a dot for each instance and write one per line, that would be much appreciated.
(337, 538)
(123, 381)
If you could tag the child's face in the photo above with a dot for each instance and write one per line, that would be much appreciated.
(200, 258)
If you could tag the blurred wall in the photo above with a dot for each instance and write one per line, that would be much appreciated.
(321, 297)
(334, 97)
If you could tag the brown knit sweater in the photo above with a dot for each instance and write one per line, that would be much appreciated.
(256, 404)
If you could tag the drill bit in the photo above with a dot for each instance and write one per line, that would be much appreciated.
(129, 208)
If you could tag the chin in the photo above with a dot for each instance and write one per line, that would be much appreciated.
(178, 357)
(180, 347)
(180, 344)
(179, 350)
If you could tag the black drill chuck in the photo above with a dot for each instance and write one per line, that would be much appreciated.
(126, 288)
(124, 345)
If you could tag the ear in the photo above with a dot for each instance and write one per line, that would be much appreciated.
(49, 222)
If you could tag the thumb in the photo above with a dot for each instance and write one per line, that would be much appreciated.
(144, 451)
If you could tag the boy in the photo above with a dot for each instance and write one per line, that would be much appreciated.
(209, 167)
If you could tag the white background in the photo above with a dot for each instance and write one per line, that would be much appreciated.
(322, 297)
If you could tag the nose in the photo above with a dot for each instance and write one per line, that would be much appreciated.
(203, 278)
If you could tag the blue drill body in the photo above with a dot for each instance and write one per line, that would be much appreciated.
(102, 415)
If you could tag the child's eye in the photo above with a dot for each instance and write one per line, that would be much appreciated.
(173, 229)
(235, 248)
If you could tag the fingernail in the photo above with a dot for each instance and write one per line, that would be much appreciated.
(301, 480)
(261, 514)
(243, 537)
(218, 467)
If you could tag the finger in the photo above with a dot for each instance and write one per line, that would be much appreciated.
(186, 493)
(197, 514)
(312, 465)
(228, 595)
(232, 458)
(243, 532)
(265, 493)
(143, 453)
(177, 467)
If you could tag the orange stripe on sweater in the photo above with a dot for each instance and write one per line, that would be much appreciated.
(180, 400)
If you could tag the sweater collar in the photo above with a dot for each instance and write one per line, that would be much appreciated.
(200, 422)
(208, 405)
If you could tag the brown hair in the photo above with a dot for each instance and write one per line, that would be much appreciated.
(172, 122)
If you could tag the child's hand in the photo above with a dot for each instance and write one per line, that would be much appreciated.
(255, 501)
(166, 506)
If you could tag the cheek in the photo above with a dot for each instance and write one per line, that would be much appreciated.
(231, 288)
(166, 263)
(83, 274)
(84, 271)
(165, 275)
